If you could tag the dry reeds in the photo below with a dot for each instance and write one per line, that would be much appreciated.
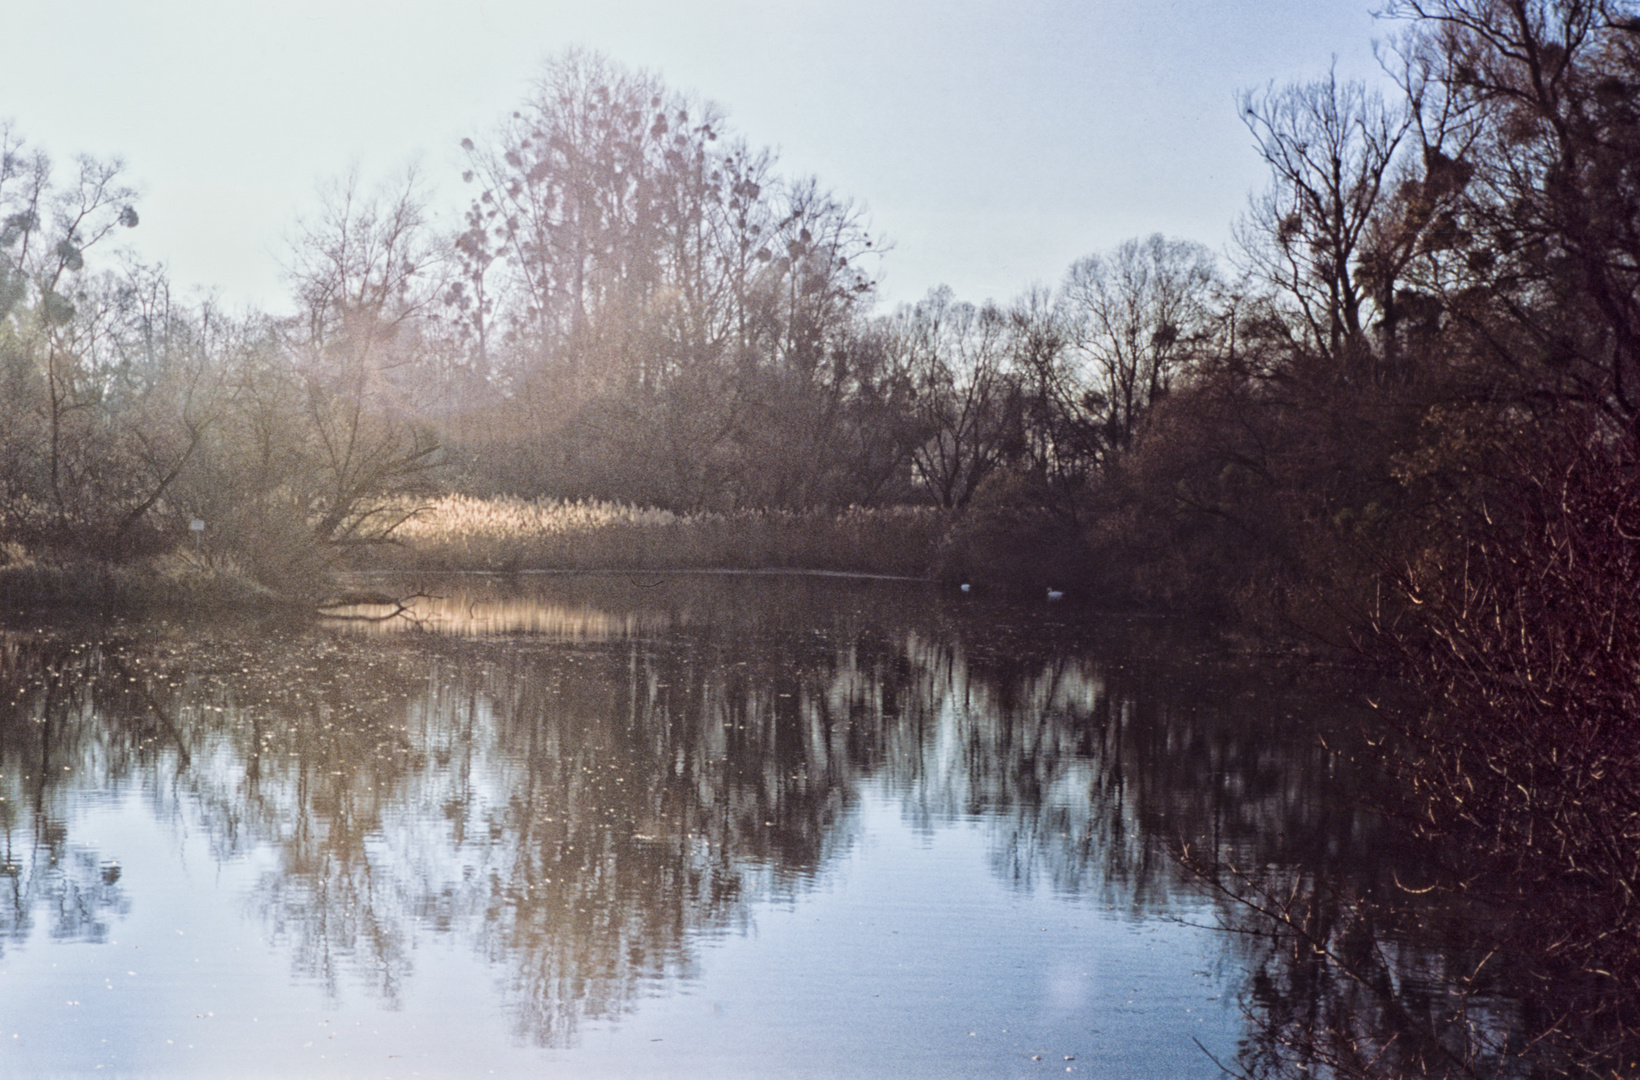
(458, 532)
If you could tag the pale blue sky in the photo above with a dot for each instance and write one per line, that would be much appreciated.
(991, 143)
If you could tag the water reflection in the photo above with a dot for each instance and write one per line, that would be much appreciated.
(585, 802)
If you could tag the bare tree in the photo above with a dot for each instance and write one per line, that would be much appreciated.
(1137, 318)
(672, 309)
(1526, 110)
(966, 400)
(365, 271)
(594, 195)
(48, 324)
(1330, 147)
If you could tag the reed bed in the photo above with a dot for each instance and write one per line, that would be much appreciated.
(459, 532)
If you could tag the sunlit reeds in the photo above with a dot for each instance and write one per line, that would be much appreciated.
(458, 532)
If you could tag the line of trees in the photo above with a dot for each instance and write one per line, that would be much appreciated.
(646, 310)
(637, 305)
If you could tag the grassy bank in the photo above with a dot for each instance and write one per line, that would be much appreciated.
(456, 532)
(175, 583)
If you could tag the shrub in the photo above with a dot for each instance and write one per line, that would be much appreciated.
(1522, 628)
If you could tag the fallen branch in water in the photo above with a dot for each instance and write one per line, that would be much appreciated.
(401, 606)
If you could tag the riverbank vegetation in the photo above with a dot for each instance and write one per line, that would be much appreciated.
(460, 532)
(1402, 419)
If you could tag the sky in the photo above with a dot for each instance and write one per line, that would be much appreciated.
(990, 143)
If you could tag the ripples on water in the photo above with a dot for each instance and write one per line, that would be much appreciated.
(663, 826)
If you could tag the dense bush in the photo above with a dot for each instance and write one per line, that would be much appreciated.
(1526, 632)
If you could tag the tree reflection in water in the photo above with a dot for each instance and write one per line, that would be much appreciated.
(47, 703)
(1393, 969)
(584, 783)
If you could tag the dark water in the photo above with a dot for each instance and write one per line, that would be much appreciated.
(694, 827)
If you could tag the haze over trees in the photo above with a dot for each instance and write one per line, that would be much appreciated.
(636, 305)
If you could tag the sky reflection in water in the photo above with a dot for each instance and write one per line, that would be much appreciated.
(686, 827)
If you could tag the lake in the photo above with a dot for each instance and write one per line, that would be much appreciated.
(656, 826)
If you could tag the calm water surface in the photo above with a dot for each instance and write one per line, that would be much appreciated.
(611, 826)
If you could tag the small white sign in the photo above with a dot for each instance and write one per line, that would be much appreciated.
(197, 525)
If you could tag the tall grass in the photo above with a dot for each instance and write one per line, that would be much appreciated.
(459, 532)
